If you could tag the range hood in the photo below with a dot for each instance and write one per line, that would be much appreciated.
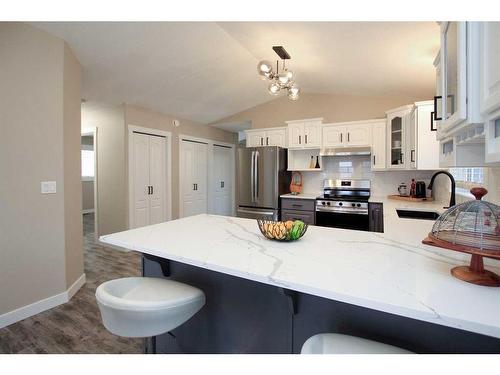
(345, 151)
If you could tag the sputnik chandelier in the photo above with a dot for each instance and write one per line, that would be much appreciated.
(284, 80)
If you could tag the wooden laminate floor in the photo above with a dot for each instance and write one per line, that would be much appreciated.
(76, 327)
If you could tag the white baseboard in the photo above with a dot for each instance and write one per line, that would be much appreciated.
(24, 312)
(89, 211)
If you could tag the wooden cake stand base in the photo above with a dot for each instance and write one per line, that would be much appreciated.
(475, 273)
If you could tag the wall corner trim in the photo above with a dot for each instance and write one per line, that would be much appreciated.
(48, 303)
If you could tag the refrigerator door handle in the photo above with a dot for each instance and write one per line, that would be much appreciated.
(252, 168)
(256, 175)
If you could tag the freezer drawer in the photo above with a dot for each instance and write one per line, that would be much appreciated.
(298, 204)
(255, 213)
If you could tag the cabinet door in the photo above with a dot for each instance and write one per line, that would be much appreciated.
(256, 138)
(454, 73)
(376, 217)
(490, 63)
(493, 138)
(296, 135)
(276, 138)
(411, 149)
(358, 135)
(378, 145)
(396, 141)
(312, 134)
(333, 136)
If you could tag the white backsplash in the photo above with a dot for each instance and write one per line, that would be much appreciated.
(358, 167)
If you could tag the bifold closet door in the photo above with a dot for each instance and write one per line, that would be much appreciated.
(221, 180)
(149, 179)
(193, 169)
(157, 179)
(140, 184)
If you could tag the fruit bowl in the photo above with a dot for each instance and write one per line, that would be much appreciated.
(282, 230)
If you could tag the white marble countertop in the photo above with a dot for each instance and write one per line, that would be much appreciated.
(301, 196)
(392, 272)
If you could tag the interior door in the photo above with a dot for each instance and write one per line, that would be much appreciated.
(201, 179)
(187, 171)
(221, 180)
(157, 179)
(140, 145)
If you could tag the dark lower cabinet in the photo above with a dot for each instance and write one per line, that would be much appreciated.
(242, 316)
(298, 209)
(376, 217)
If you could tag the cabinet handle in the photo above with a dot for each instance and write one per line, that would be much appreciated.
(149, 190)
(152, 190)
(222, 184)
(195, 187)
(341, 138)
(267, 141)
(306, 138)
(299, 139)
(374, 160)
(401, 158)
(436, 118)
(412, 156)
(348, 137)
(262, 141)
(296, 205)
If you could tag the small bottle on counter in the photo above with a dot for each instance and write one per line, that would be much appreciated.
(413, 188)
(311, 163)
(317, 163)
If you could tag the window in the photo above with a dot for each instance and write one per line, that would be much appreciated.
(467, 178)
(88, 165)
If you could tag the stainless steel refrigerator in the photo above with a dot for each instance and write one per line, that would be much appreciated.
(262, 178)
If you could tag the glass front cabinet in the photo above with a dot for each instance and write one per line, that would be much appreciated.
(397, 138)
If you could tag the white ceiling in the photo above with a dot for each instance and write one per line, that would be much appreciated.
(205, 71)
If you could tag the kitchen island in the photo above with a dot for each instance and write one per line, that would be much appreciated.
(267, 296)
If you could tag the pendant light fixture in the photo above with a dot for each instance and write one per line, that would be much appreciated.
(280, 80)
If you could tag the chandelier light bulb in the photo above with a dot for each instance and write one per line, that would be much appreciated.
(293, 92)
(265, 69)
(274, 88)
(283, 79)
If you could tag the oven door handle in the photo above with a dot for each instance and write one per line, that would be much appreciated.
(343, 211)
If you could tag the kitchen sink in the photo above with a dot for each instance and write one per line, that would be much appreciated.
(417, 214)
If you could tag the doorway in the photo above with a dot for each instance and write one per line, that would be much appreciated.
(89, 182)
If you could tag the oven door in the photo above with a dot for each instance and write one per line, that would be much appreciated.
(342, 220)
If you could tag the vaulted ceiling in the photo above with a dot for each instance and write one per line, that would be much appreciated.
(204, 71)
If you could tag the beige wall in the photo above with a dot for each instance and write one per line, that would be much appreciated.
(333, 108)
(139, 116)
(110, 148)
(40, 235)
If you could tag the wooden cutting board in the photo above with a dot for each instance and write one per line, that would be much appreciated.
(410, 199)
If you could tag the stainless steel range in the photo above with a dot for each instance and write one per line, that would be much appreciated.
(344, 204)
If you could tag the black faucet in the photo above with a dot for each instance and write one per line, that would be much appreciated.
(452, 198)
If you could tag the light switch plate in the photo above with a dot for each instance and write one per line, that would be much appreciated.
(48, 187)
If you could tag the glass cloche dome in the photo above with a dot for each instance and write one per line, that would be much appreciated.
(472, 227)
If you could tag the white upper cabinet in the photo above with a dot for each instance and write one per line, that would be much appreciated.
(304, 133)
(490, 88)
(397, 137)
(423, 146)
(266, 137)
(459, 75)
(490, 66)
(347, 134)
(276, 137)
(378, 145)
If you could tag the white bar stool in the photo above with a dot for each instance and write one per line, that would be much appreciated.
(146, 306)
(335, 343)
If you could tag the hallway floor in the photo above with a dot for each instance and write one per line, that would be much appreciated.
(76, 327)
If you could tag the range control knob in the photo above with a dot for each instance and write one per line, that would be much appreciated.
(359, 205)
(341, 204)
(323, 203)
(353, 204)
(327, 203)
